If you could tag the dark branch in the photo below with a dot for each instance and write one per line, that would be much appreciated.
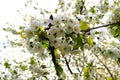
(105, 67)
(54, 59)
(99, 27)
(68, 65)
(81, 7)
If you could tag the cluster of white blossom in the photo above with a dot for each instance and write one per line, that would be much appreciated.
(107, 43)
(60, 32)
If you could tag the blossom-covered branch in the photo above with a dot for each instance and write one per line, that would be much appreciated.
(57, 66)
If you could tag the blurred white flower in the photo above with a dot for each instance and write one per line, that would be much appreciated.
(113, 53)
(66, 49)
(81, 17)
(76, 28)
(28, 33)
(34, 46)
(51, 37)
(36, 69)
(68, 27)
(65, 16)
(61, 32)
(116, 15)
(74, 52)
(34, 24)
(53, 30)
(56, 42)
(56, 19)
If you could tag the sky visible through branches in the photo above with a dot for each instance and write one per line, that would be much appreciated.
(12, 12)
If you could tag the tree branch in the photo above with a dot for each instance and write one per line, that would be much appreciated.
(54, 59)
(99, 27)
(81, 7)
(68, 65)
(105, 67)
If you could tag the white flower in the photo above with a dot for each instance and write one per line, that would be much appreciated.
(56, 42)
(61, 32)
(66, 49)
(65, 16)
(56, 20)
(76, 28)
(34, 24)
(81, 17)
(51, 37)
(53, 30)
(33, 46)
(28, 33)
(37, 47)
(68, 27)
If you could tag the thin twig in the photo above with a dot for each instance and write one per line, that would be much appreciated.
(105, 67)
(99, 27)
(68, 65)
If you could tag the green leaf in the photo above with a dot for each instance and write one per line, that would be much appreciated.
(97, 32)
(23, 67)
(59, 69)
(115, 30)
(109, 78)
(36, 32)
(84, 25)
(106, 3)
(41, 28)
(45, 44)
(55, 51)
(90, 41)
(86, 72)
(90, 64)
(92, 10)
(32, 61)
(79, 42)
(6, 64)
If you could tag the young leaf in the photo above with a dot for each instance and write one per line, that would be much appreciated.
(86, 72)
(41, 28)
(56, 51)
(92, 10)
(90, 41)
(109, 78)
(80, 42)
(84, 25)
(59, 69)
